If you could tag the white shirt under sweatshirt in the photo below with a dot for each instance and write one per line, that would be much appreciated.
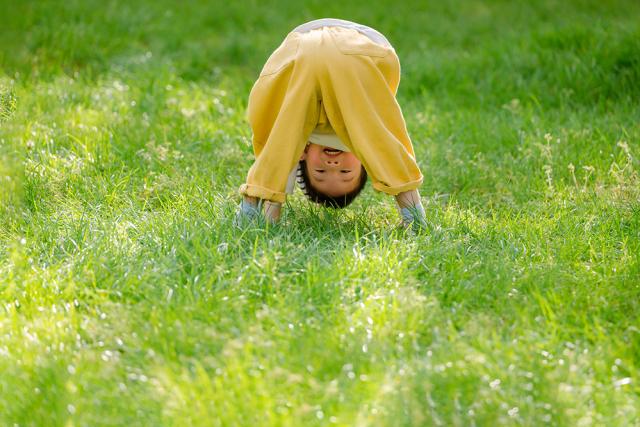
(331, 139)
(374, 35)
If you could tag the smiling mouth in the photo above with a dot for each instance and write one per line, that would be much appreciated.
(331, 151)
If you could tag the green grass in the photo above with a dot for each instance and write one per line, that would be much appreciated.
(128, 298)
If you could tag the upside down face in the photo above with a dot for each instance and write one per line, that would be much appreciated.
(332, 172)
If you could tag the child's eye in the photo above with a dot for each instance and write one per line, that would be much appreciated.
(320, 170)
(345, 171)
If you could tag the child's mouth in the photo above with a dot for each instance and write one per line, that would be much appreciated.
(331, 151)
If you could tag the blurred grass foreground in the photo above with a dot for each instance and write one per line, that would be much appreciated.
(127, 297)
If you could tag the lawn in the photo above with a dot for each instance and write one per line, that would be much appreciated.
(127, 297)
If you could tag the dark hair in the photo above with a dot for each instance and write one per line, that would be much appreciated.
(302, 176)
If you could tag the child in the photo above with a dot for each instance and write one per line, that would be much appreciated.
(323, 112)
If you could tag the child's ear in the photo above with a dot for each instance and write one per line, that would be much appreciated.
(304, 153)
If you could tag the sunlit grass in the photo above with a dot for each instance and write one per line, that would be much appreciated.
(127, 296)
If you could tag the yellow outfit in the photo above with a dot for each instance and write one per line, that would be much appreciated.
(330, 79)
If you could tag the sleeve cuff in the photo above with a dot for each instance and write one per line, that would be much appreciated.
(262, 193)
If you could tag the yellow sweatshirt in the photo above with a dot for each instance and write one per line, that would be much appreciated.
(329, 78)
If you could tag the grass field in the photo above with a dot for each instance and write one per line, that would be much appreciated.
(128, 298)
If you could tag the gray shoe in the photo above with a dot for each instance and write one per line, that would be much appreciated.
(247, 213)
(413, 217)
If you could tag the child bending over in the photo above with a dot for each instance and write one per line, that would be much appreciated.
(324, 114)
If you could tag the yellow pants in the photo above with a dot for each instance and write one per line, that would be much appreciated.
(337, 74)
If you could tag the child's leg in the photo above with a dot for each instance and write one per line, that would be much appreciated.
(358, 93)
(283, 110)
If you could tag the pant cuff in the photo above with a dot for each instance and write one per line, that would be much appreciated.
(397, 189)
(262, 193)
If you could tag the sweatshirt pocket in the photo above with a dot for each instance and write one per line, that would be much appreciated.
(284, 55)
(352, 42)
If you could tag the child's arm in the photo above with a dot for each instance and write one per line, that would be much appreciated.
(411, 208)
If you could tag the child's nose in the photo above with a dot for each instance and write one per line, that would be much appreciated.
(332, 162)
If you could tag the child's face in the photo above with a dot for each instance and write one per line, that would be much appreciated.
(332, 172)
